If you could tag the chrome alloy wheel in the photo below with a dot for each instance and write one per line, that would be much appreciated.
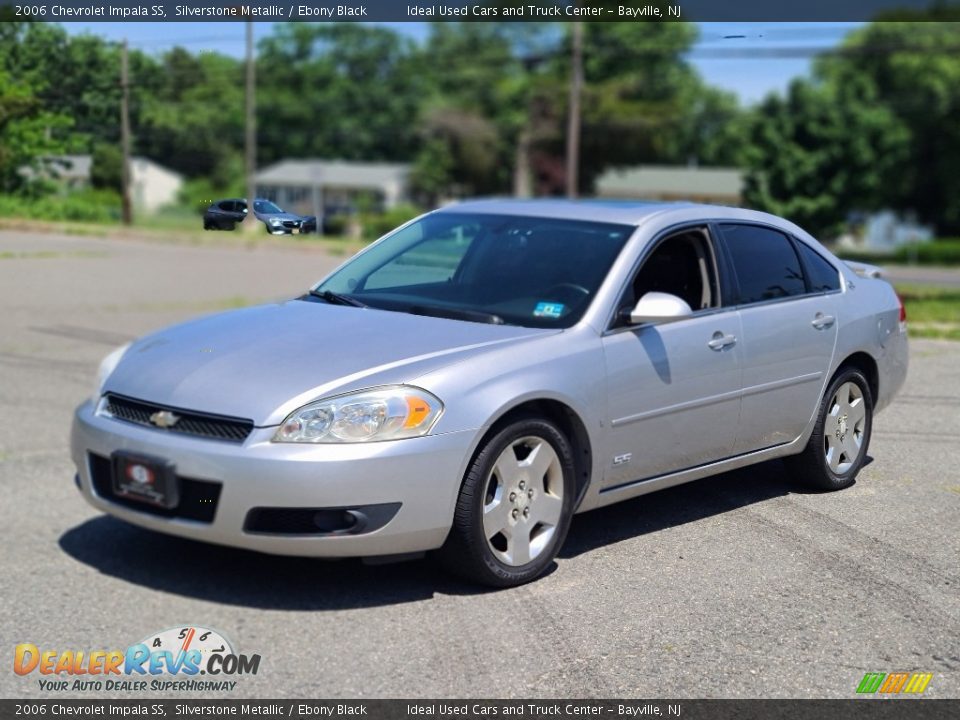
(523, 501)
(843, 428)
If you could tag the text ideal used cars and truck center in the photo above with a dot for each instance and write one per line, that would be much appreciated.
(474, 378)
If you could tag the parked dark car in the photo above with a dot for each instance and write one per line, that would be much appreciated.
(225, 214)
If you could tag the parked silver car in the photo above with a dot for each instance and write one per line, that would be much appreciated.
(473, 379)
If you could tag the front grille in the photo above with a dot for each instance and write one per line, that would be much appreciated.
(213, 427)
(291, 223)
(198, 498)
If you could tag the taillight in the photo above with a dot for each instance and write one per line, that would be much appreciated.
(903, 309)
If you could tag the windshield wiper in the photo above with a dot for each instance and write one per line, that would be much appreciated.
(336, 298)
(455, 314)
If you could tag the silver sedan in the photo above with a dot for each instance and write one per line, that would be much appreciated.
(473, 379)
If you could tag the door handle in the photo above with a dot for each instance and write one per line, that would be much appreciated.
(821, 321)
(720, 341)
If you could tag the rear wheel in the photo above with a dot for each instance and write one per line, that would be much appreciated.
(514, 507)
(838, 445)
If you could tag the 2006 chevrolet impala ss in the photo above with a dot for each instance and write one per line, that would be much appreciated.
(473, 379)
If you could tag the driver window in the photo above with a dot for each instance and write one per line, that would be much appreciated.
(682, 265)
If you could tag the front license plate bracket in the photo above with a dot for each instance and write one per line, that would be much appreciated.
(146, 479)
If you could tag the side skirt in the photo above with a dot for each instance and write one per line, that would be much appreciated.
(635, 488)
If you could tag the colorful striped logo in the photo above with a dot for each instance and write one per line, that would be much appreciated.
(894, 683)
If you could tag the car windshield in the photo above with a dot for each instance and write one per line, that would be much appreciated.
(529, 271)
(265, 206)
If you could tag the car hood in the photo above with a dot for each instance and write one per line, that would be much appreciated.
(263, 362)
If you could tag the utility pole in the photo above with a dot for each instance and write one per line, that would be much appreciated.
(127, 206)
(573, 120)
(251, 131)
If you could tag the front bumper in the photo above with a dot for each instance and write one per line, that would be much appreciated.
(421, 474)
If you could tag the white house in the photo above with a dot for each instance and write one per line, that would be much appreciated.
(718, 185)
(151, 185)
(332, 187)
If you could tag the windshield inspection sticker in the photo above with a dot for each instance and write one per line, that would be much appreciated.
(548, 310)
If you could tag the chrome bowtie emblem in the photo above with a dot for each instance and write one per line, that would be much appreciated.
(164, 419)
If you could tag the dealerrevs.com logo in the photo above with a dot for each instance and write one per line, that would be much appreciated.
(170, 660)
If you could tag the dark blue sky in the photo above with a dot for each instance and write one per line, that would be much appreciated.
(750, 78)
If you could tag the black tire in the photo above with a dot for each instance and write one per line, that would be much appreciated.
(811, 466)
(467, 552)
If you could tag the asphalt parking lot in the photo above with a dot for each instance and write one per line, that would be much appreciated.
(743, 585)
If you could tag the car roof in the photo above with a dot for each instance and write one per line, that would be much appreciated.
(627, 212)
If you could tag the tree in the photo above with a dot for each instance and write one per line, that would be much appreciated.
(633, 81)
(193, 120)
(106, 169)
(341, 90)
(478, 117)
(820, 153)
(455, 157)
(642, 102)
(77, 76)
(711, 129)
(28, 132)
(912, 72)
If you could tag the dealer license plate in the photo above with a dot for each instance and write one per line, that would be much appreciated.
(145, 479)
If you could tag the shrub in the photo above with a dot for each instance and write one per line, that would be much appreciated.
(336, 225)
(88, 205)
(197, 194)
(937, 252)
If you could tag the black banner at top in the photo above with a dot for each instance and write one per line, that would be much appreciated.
(479, 10)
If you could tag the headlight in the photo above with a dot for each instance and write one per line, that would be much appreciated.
(389, 413)
(276, 222)
(107, 366)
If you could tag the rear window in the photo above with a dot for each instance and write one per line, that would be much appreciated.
(822, 275)
(765, 263)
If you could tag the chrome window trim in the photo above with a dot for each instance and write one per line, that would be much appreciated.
(788, 298)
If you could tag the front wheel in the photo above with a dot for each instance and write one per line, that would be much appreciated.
(838, 445)
(514, 507)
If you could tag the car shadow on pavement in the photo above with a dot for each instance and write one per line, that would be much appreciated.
(682, 504)
(240, 577)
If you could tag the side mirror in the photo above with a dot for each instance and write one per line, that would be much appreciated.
(659, 308)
